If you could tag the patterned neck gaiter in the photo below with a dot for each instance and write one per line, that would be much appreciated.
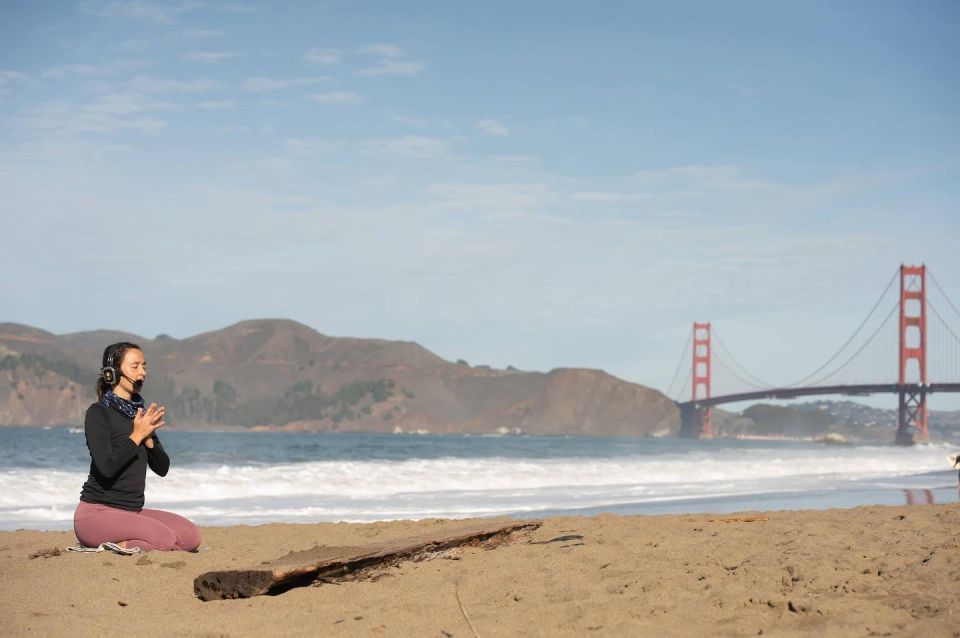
(121, 405)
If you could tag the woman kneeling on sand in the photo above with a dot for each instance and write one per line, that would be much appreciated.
(122, 439)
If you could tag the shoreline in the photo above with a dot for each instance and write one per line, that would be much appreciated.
(826, 572)
(757, 502)
(728, 505)
(826, 438)
(930, 487)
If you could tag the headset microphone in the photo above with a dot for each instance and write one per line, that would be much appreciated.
(137, 383)
(112, 376)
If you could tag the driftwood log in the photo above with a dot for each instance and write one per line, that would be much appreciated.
(331, 564)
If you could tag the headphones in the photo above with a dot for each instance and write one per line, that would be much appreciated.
(110, 370)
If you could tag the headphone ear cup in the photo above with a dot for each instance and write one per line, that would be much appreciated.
(109, 374)
(109, 371)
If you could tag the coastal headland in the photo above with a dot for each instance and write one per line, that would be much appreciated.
(864, 571)
(280, 374)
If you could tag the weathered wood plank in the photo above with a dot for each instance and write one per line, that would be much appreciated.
(336, 563)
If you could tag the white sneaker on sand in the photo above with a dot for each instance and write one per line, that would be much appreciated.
(113, 547)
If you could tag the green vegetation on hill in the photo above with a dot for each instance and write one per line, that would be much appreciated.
(788, 420)
(299, 402)
(36, 365)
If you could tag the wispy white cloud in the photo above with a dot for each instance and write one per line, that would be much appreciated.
(384, 50)
(162, 12)
(124, 104)
(137, 9)
(418, 122)
(393, 61)
(493, 127)
(394, 67)
(218, 105)
(408, 146)
(199, 33)
(10, 77)
(136, 105)
(134, 45)
(277, 84)
(322, 56)
(723, 177)
(7, 81)
(264, 84)
(230, 7)
(116, 67)
(110, 114)
(337, 97)
(277, 166)
(63, 70)
(608, 197)
(499, 200)
(302, 145)
(209, 57)
(146, 84)
(513, 159)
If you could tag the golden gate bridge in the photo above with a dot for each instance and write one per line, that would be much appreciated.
(895, 349)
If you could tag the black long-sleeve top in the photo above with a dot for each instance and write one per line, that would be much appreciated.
(118, 466)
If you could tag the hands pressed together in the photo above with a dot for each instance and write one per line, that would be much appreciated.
(145, 423)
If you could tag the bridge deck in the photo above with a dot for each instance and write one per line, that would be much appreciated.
(793, 393)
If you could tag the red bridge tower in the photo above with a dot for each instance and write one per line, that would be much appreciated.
(701, 374)
(912, 410)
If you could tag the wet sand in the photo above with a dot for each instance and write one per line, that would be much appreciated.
(857, 572)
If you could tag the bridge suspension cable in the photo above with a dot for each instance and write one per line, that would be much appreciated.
(686, 389)
(944, 356)
(680, 365)
(751, 379)
(869, 341)
(942, 292)
(856, 332)
(945, 362)
(719, 363)
(943, 321)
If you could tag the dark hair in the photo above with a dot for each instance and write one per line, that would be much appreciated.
(113, 356)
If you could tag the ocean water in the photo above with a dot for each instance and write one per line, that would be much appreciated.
(250, 478)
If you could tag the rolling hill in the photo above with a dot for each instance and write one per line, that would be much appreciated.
(280, 374)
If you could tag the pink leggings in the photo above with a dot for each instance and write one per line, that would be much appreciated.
(147, 529)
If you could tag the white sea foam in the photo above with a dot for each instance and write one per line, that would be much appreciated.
(459, 487)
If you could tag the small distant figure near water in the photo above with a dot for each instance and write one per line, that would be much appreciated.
(912, 496)
(123, 443)
(955, 462)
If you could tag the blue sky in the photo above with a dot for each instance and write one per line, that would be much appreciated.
(525, 184)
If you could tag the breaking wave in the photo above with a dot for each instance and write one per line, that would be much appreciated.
(690, 478)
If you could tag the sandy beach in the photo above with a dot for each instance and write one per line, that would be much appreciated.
(858, 572)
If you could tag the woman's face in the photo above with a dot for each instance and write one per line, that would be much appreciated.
(133, 371)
